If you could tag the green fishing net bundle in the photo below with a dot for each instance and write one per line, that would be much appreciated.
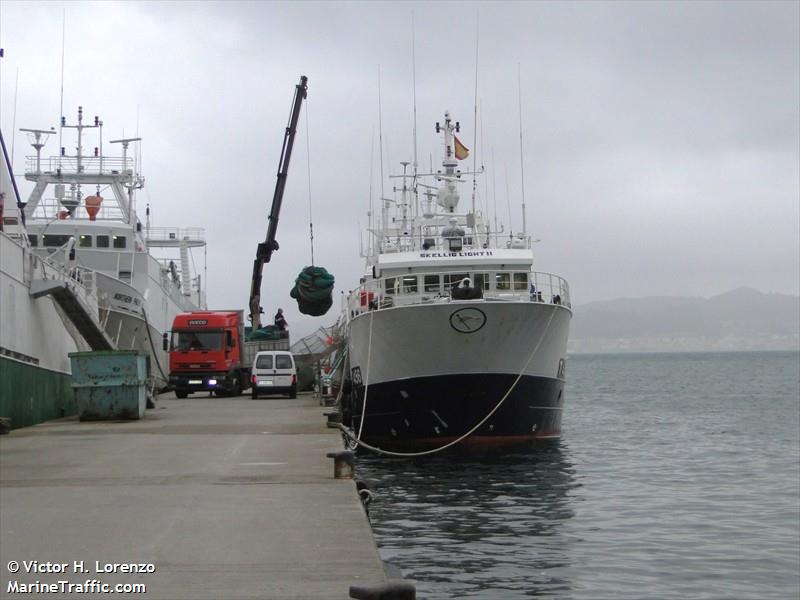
(313, 290)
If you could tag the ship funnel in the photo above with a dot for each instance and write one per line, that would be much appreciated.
(92, 204)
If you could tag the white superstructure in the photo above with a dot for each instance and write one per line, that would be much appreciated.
(86, 201)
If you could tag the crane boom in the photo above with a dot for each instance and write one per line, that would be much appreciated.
(268, 246)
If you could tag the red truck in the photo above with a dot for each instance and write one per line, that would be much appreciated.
(208, 352)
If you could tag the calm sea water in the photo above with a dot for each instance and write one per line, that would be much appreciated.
(678, 476)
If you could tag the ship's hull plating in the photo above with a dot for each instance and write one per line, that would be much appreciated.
(428, 412)
(136, 321)
(36, 338)
(430, 377)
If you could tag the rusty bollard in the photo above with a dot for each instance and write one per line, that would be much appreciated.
(342, 464)
(394, 589)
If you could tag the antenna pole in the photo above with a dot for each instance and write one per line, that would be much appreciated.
(494, 192)
(380, 147)
(371, 193)
(414, 88)
(521, 161)
(61, 117)
(508, 199)
(475, 117)
(14, 121)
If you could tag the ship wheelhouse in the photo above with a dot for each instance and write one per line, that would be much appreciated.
(497, 275)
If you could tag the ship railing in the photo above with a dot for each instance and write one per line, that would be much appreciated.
(436, 287)
(57, 267)
(89, 165)
(49, 208)
(439, 242)
(167, 234)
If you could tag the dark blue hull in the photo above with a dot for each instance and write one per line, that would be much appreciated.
(428, 412)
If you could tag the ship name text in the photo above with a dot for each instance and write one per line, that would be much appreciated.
(456, 254)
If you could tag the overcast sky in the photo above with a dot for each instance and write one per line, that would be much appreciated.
(662, 143)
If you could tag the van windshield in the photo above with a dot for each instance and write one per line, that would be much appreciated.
(197, 340)
(264, 362)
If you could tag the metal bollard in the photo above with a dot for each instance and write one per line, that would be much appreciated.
(334, 419)
(342, 464)
(394, 589)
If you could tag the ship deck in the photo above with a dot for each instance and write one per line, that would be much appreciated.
(226, 498)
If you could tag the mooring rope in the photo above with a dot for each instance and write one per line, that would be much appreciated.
(358, 441)
(152, 346)
(366, 381)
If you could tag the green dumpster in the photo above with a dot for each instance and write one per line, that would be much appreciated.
(109, 384)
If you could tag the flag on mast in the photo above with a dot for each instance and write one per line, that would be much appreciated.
(462, 151)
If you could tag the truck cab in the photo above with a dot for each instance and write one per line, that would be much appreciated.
(205, 353)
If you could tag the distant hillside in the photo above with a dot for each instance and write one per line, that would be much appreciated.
(742, 319)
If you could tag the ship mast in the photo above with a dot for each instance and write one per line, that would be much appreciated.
(448, 195)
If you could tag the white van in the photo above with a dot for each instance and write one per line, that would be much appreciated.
(274, 373)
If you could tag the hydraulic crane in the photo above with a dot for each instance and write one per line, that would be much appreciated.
(268, 246)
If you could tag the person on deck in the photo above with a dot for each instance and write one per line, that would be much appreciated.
(280, 320)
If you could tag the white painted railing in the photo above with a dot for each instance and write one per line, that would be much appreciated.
(177, 234)
(446, 243)
(433, 288)
(90, 165)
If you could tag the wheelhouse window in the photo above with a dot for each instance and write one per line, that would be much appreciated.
(264, 362)
(502, 281)
(392, 285)
(409, 284)
(197, 340)
(432, 283)
(102, 241)
(455, 244)
(85, 241)
(453, 279)
(55, 240)
(520, 281)
(481, 281)
(120, 241)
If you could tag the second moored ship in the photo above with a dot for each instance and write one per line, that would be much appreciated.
(453, 337)
(89, 221)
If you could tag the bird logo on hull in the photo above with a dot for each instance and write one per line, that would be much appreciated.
(467, 320)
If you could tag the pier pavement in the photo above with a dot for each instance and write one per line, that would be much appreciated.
(219, 497)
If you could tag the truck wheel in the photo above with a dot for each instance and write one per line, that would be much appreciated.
(293, 392)
(181, 393)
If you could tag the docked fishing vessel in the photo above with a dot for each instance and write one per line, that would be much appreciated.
(452, 336)
(47, 310)
(91, 214)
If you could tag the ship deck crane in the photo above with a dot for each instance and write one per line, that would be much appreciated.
(268, 246)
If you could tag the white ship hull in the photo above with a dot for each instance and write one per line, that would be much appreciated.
(35, 340)
(430, 377)
(136, 321)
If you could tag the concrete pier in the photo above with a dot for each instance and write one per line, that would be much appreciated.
(220, 497)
